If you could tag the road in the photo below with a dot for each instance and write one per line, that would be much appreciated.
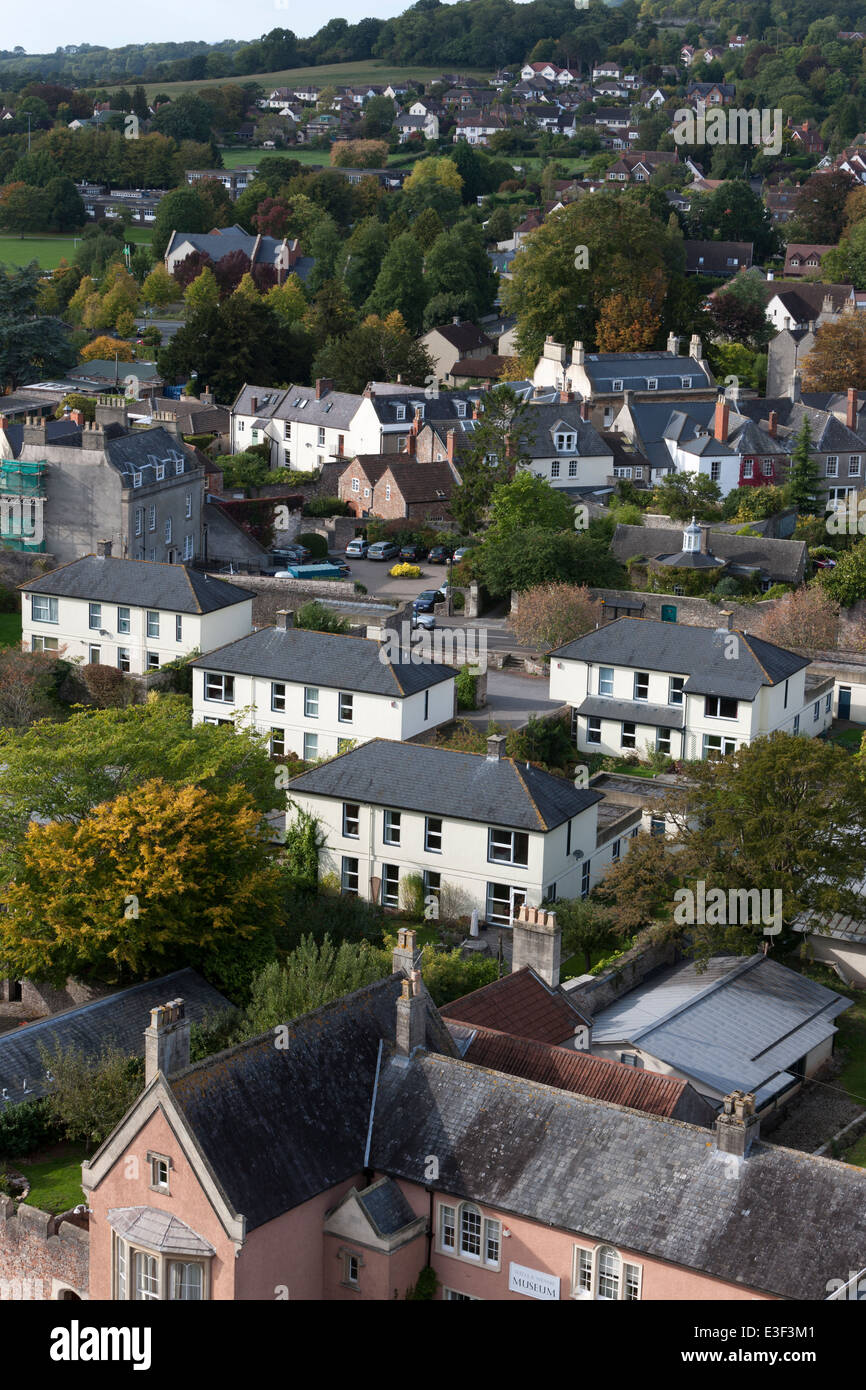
(167, 327)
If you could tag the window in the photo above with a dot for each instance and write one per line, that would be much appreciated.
(185, 1280)
(816, 710)
(401, 412)
(160, 472)
(675, 690)
(605, 680)
(572, 468)
(153, 624)
(391, 832)
(447, 1228)
(278, 696)
(593, 730)
(554, 468)
(153, 661)
(390, 885)
(321, 438)
(123, 660)
(136, 480)
(349, 876)
(311, 747)
(168, 530)
(663, 741)
(719, 707)
(584, 879)
(652, 384)
(94, 655)
(628, 736)
(178, 467)
(507, 846)
(188, 503)
(139, 521)
(854, 466)
(715, 471)
(387, 492)
(748, 468)
(146, 1276)
(767, 468)
(94, 615)
(351, 820)
(433, 835)
(188, 549)
(311, 702)
(351, 1269)
(614, 853)
(178, 628)
(828, 703)
(43, 609)
(344, 707)
(641, 685)
(452, 1296)
(603, 1275)
(151, 517)
(45, 644)
(832, 466)
(123, 620)
(657, 825)
(159, 1170)
(503, 903)
(616, 385)
(219, 687)
(432, 884)
(278, 743)
(796, 723)
(356, 485)
(717, 746)
(686, 382)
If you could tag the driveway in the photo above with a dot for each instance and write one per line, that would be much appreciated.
(512, 696)
(374, 573)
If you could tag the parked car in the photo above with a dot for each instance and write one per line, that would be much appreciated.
(427, 620)
(358, 547)
(824, 564)
(440, 555)
(461, 552)
(383, 550)
(413, 553)
(291, 555)
(426, 599)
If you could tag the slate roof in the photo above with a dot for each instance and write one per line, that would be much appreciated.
(635, 369)
(520, 1004)
(645, 1183)
(421, 482)
(139, 451)
(57, 432)
(711, 257)
(323, 659)
(579, 1072)
(740, 1025)
(783, 561)
(278, 1125)
(217, 244)
(804, 300)
(158, 1230)
(695, 652)
(386, 1207)
(108, 368)
(441, 782)
(635, 711)
(119, 1019)
(138, 584)
(336, 409)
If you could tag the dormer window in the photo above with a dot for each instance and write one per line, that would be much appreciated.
(652, 384)
(686, 383)
(617, 385)
(401, 412)
(566, 442)
(461, 408)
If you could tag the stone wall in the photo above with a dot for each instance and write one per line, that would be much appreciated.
(42, 1256)
(625, 974)
(40, 1000)
(695, 612)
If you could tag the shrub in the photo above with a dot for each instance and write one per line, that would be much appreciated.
(405, 572)
(107, 687)
(778, 591)
(360, 588)
(458, 601)
(9, 601)
(89, 1098)
(326, 506)
(316, 544)
(726, 588)
(26, 1127)
(318, 618)
(466, 684)
(425, 1286)
(412, 895)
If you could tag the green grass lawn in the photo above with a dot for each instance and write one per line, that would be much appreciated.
(234, 158)
(55, 1181)
(10, 629)
(50, 250)
(337, 74)
(847, 738)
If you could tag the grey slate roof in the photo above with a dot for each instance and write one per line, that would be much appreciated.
(280, 1124)
(141, 450)
(695, 652)
(635, 369)
(323, 659)
(635, 711)
(221, 243)
(441, 782)
(783, 561)
(157, 1230)
(386, 1207)
(336, 409)
(138, 584)
(735, 1027)
(119, 1019)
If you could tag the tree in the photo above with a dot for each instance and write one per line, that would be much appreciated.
(272, 217)
(105, 349)
(27, 685)
(457, 264)
(377, 350)
(820, 208)
(781, 813)
(808, 618)
(837, 360)
(804, 475)
(229, 270)
(201, 293)
(426, 228)
(89, 1096)
(629, 322)
(311, 976)
(243, 470)
(739, 309)
(362, 258)
(684, 495)
(320, 618)
(186, 117)
(159, 288)
(553, 614)
(846, 584)
(191, 267)
(434, 183)
(288, 301)
(33, 346)
(733, 212)
(23, 208)
(519, 560)
(638, 888)
(118, 894)
(360, 154)
(324, 245)
(60, 771)
(529, 500)
(65, 206)
(139, 104)
(400, 283)
(182, 210)
(107, 687)
(496, 446)
(588, 929)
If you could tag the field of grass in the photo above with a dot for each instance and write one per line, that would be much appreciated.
(10, 629)
(234, 158)
(849, 739)
(49, 250)
(338, 74)
(55, 1182)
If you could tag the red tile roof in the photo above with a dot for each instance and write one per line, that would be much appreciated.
(520, 1004)
(576, 1071)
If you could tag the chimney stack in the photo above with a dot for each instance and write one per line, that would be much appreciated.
(565, 397)
(254, 404)
(772, 423)
(76, 416)
(695, 348)
(728, 616)
(495, 748)
(851, 409)
(324, 384)
(720, 427)
(737, 1126)
(411, 1008)
(284, 619)
(403, 954)
(207, 396)
(451, 440)
(795, 386)
(166, 1040)
(103, 548)
(584, 410)
(577, 354)
(537, 941)
(673, 344)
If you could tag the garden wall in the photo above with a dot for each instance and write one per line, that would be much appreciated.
(694, 612)
(42, 1256)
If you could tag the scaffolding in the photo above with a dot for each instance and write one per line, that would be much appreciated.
(22, 503)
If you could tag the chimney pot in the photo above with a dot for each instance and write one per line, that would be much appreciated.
(166, 1040)
(720, 429)
(451, 440)
(737, 1127)
(728, 616)
(537, 942)
(695, 347)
